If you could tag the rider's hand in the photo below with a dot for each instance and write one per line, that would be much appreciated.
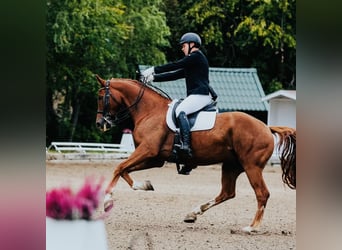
(149, 78)
(148, 72)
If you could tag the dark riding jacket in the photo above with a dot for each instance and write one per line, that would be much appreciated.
(194, 68)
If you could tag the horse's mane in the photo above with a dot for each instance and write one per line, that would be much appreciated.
(155, 89)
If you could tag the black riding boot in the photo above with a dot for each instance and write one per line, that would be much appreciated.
(185, 133)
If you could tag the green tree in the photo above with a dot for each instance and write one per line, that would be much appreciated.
(242, 33)
(87, 37)
(178, 25)
(267, 36)
(81, 37)
(148, 36)
(110, 38)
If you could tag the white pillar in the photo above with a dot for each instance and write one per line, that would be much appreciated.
(127, 140)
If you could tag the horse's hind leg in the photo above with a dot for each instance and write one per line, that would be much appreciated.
(256, 179)
(228, 181)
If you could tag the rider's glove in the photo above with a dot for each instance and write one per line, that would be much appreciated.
(146, 73)
(149, 78)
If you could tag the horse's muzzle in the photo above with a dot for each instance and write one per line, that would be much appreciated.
(103, 124)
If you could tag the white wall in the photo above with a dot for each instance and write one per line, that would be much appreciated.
(282, 113)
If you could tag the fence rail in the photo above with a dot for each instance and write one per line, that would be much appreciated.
(84, 147)
(88, 151)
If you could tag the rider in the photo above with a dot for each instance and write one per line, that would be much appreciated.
(194, 68)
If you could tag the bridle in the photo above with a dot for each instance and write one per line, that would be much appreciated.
(123, 113)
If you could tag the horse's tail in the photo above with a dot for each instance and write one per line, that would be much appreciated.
(287, 144)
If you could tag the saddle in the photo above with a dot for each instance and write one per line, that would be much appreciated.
(192, 117)
(203, 119)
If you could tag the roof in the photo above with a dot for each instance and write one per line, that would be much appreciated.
(237, 89)
(281, 94)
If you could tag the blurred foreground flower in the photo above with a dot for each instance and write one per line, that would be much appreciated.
(63, 204)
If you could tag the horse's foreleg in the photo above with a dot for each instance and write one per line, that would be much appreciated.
(134, 159)
(228, 181)
(262, 194)
(142, 185)
(131, 164)
(108, 200)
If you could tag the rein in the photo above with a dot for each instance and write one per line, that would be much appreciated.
(123, 113)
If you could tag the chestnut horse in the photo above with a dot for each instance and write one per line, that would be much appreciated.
(239, 141)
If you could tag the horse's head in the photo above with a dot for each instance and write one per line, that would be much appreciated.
(107, 106)
(118, 101)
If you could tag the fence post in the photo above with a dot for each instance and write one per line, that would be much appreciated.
(127, 140)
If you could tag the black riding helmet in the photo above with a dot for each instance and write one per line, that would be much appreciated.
(191, 37)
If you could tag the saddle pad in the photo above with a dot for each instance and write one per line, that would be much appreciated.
(205, 120)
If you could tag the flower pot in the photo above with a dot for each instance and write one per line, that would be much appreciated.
(75, 235)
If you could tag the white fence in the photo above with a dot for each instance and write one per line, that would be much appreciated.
(86, 150)
(83, 147)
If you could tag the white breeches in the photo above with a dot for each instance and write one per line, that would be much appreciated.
(193, 103)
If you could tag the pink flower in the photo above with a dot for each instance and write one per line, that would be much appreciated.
(87, 198)
(63, 204)
(59, 203)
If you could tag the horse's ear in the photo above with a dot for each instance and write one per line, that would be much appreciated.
(100, 80)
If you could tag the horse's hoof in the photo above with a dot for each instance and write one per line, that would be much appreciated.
(148, 186)
(249, 230)
(190, 218)
(108, 205)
